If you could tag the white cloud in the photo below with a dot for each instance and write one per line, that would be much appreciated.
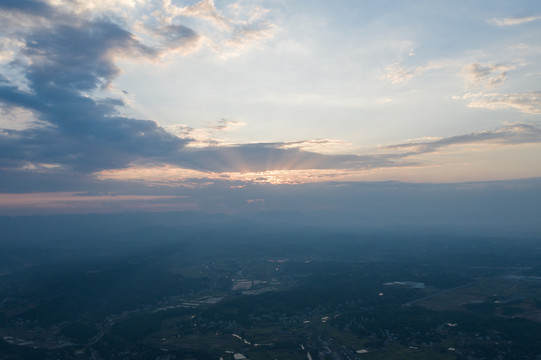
(18, 118)
(526, 102)
(9, 47)
(242, 28)
(491, 75)
(205, 136)
(120, 8)
(204, 9)
(510, 21)
(252, 33)
(226, 125)
(396, 73)
(321, 146)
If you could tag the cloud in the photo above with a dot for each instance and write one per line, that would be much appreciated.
(66, 62)
(491, 75)
(226, 125)
(73, 202)
(17, 118)
(255, 201)
(507, 135)
(80, 57)
(249, 34)
(322, 146)
(25, 15)
(204, 9)
(97, 5)
(177, 38)
(70, 136)
(272, 156)
(396, 73)
(527, 102)
(8, 49)
(48, 198)
(26, 7)
(178, 177)
(63, 64)
(510, 21)
(205, 136)
(245, 27)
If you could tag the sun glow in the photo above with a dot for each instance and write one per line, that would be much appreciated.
(175, 176)
(472, 163)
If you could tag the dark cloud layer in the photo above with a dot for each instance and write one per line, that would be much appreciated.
(31, 7)
(81, 133)
(512, 134)
(271, 156)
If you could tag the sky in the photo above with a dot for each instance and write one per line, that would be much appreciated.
(225, 105)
